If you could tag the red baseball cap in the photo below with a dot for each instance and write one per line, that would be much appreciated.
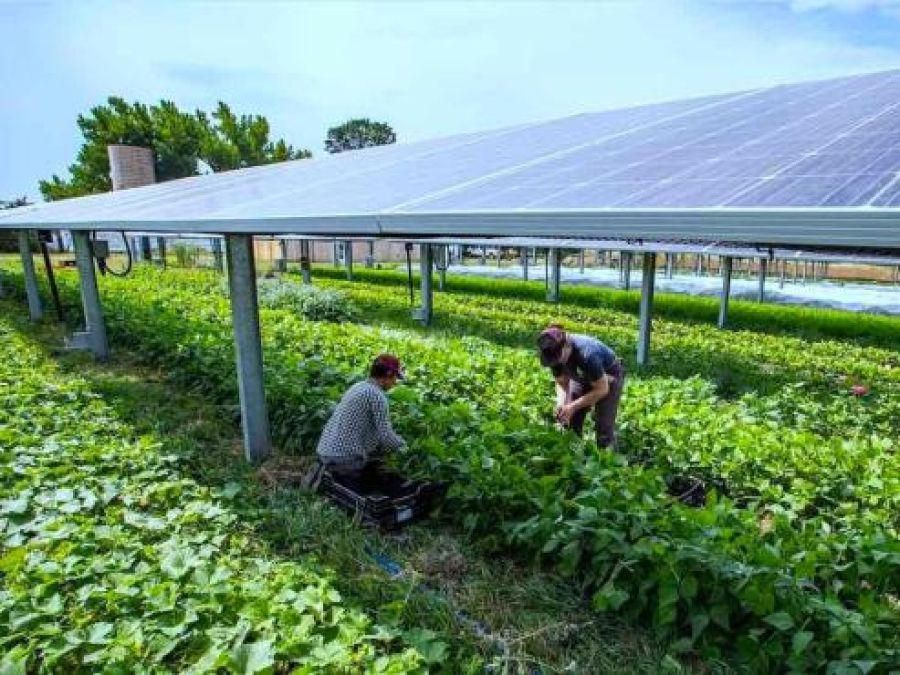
(389, 363)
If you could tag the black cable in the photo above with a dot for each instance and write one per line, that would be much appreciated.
(125, 272)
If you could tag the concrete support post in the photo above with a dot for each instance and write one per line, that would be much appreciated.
(161, 246)
(281, 265)
(783, 273)
(94, 336)
(305, 267)
(554, 263)
(348, 259)
(499, 257)
(444, 258)
(726, 291)
(146, 250)
(699, 264)
(248, 346)
(335, 254)
(426, 266)
(524, 264)
(35, 309)
(648, 282)
(370, 259)
(483, 255)
(626, 271)
(763, 269)
(670, 265)
(581, 261)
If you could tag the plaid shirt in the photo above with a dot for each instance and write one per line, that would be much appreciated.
(359, 426)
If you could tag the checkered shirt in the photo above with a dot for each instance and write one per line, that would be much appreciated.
(359, 427)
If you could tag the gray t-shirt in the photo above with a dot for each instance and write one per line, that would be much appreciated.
(590, 359)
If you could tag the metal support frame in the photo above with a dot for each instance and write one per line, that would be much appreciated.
(444, 258)
(35, 308)
(581, 261)
(426, 265)
(218, 259)
(94, 335)
(305, 267)
(248, 346)
(161, 246)
(763, 269)
(648, 283)
(726, 291)
(555, 260)
(626, 271)
(370, 259)
(670, 265)
(348, 259)
(146, 249)
(524, 264)
(335, 254)
(281, 265)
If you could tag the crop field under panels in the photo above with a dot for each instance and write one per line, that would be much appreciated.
(789, 560)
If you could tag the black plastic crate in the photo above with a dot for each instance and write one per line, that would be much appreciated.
(384, 499)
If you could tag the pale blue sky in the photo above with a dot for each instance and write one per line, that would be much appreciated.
(430, 69)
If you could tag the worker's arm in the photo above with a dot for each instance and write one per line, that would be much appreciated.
(387, 437)
(598, 391)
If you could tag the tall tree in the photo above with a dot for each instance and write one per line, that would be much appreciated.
(178, 140)
(358, 133)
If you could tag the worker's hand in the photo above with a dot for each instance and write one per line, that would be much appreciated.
(564, 414)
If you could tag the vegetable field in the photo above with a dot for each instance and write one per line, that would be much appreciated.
(792, 563)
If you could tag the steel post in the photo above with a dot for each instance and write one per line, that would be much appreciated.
(348, 259)
(524, 264)
(626, 278)
(726, 291)
(94, 323)
(161, 246)
(248, 346)
(763, 269)
(35, 308)
(426, 266)
(554, 263)
(648, 282)
(305, 267)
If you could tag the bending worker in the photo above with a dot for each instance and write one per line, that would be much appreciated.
(588, 375)
(359, 431)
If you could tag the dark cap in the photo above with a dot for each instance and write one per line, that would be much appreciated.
(387, 364)
(550, 344)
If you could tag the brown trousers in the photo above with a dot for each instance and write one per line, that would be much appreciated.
(604, 411)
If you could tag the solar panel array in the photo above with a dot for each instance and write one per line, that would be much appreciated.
(833, 143)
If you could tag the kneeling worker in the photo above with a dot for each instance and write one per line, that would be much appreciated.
(588, 375)
(359, 431)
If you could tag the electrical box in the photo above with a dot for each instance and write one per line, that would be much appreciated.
(100, 249)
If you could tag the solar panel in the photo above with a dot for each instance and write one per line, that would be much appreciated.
(833, 143)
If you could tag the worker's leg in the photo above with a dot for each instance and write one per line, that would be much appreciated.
(606, 410)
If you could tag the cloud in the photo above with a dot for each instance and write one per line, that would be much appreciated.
(889, 8)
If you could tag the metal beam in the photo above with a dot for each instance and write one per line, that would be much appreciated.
(94, 336)
(305, 267)
(763, 269)
(726, 291)
(648, 284)
(426, 264)
(248, 346)
(217, 254)
(348, 259)
(35, 309)
(554, 264)
(626, 271)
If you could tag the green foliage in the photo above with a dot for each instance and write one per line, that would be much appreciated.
(111, 560)
(358, 133)
(793, 562)
(178, 139)
(310, 302)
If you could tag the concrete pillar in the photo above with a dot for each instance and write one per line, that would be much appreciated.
(248, 346)
(626, 271)
(335, 254)
(581, 261)
(426, 265)
(783, 273)
(726, 291)
(699, 264)
(35, 308)
(648, 282)
(484, 254)
(348, 259)
(763, 269)
(554, 262)
(94, 336)
(305, 266)
(370, 259)
(444, 261)
(670, 265)
(281, 265)
(524, 264)
(146, 250)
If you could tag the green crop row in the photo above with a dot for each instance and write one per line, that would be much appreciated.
(112, 561)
